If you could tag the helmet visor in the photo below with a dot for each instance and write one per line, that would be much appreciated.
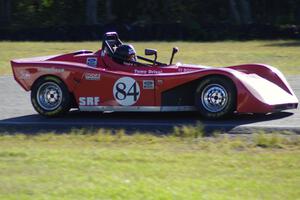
(132, 57)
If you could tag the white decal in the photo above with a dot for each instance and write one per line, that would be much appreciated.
(24, 75)
(137, 71)
(185, 70)
(89, 101)
(148, 84)
(126, 91)
(92, 62)
(154, 71)
(51, 70)
(92, 76)
(149, 71)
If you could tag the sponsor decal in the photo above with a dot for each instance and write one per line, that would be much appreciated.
(126, 91)
(185, 70)
(149, 71)
(51, 70)
(154, 71)
(24, 75)
(92, 62)
(92, 76)
(148, 84)
(137, 71)
(89, 101)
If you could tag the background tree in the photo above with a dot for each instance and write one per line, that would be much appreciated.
(32, 13)
(91, 12)
(5, 12)
(240, 11)
(109, 13)
(155, 17)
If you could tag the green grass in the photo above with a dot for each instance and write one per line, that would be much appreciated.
(283, 54)
(184, 165)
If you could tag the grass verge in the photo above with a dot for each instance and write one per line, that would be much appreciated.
(185, 164)
(282, 54)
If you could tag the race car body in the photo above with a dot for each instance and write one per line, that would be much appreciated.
(98, 81)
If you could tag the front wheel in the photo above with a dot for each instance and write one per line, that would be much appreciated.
(50, 97)
(215, 97)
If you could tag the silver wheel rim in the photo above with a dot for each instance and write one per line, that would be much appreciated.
(214, 98)
(49, 96)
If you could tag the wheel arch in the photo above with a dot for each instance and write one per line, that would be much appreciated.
(44, 76)
(73, 100)
(184, 95)
(220, 76)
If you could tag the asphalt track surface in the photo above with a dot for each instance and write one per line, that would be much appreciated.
(18, 115)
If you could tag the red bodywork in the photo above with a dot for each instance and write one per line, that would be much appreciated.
(92, 79)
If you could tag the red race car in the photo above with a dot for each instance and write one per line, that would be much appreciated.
(115, 79)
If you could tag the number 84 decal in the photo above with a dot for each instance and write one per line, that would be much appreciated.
(126, 91)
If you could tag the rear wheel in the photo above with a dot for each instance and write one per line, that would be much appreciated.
(50, 97)
(215, 97)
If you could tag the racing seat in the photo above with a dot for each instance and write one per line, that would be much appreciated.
(110, 42)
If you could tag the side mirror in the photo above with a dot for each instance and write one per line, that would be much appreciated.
(150, 52)
(175, 50)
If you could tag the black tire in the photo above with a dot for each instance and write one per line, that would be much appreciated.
(216, 97)
(50, 96)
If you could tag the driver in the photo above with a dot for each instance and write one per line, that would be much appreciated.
(125, 52)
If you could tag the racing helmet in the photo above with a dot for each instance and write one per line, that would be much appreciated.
(125, 52)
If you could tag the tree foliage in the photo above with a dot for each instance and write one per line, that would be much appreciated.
(43, 13)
